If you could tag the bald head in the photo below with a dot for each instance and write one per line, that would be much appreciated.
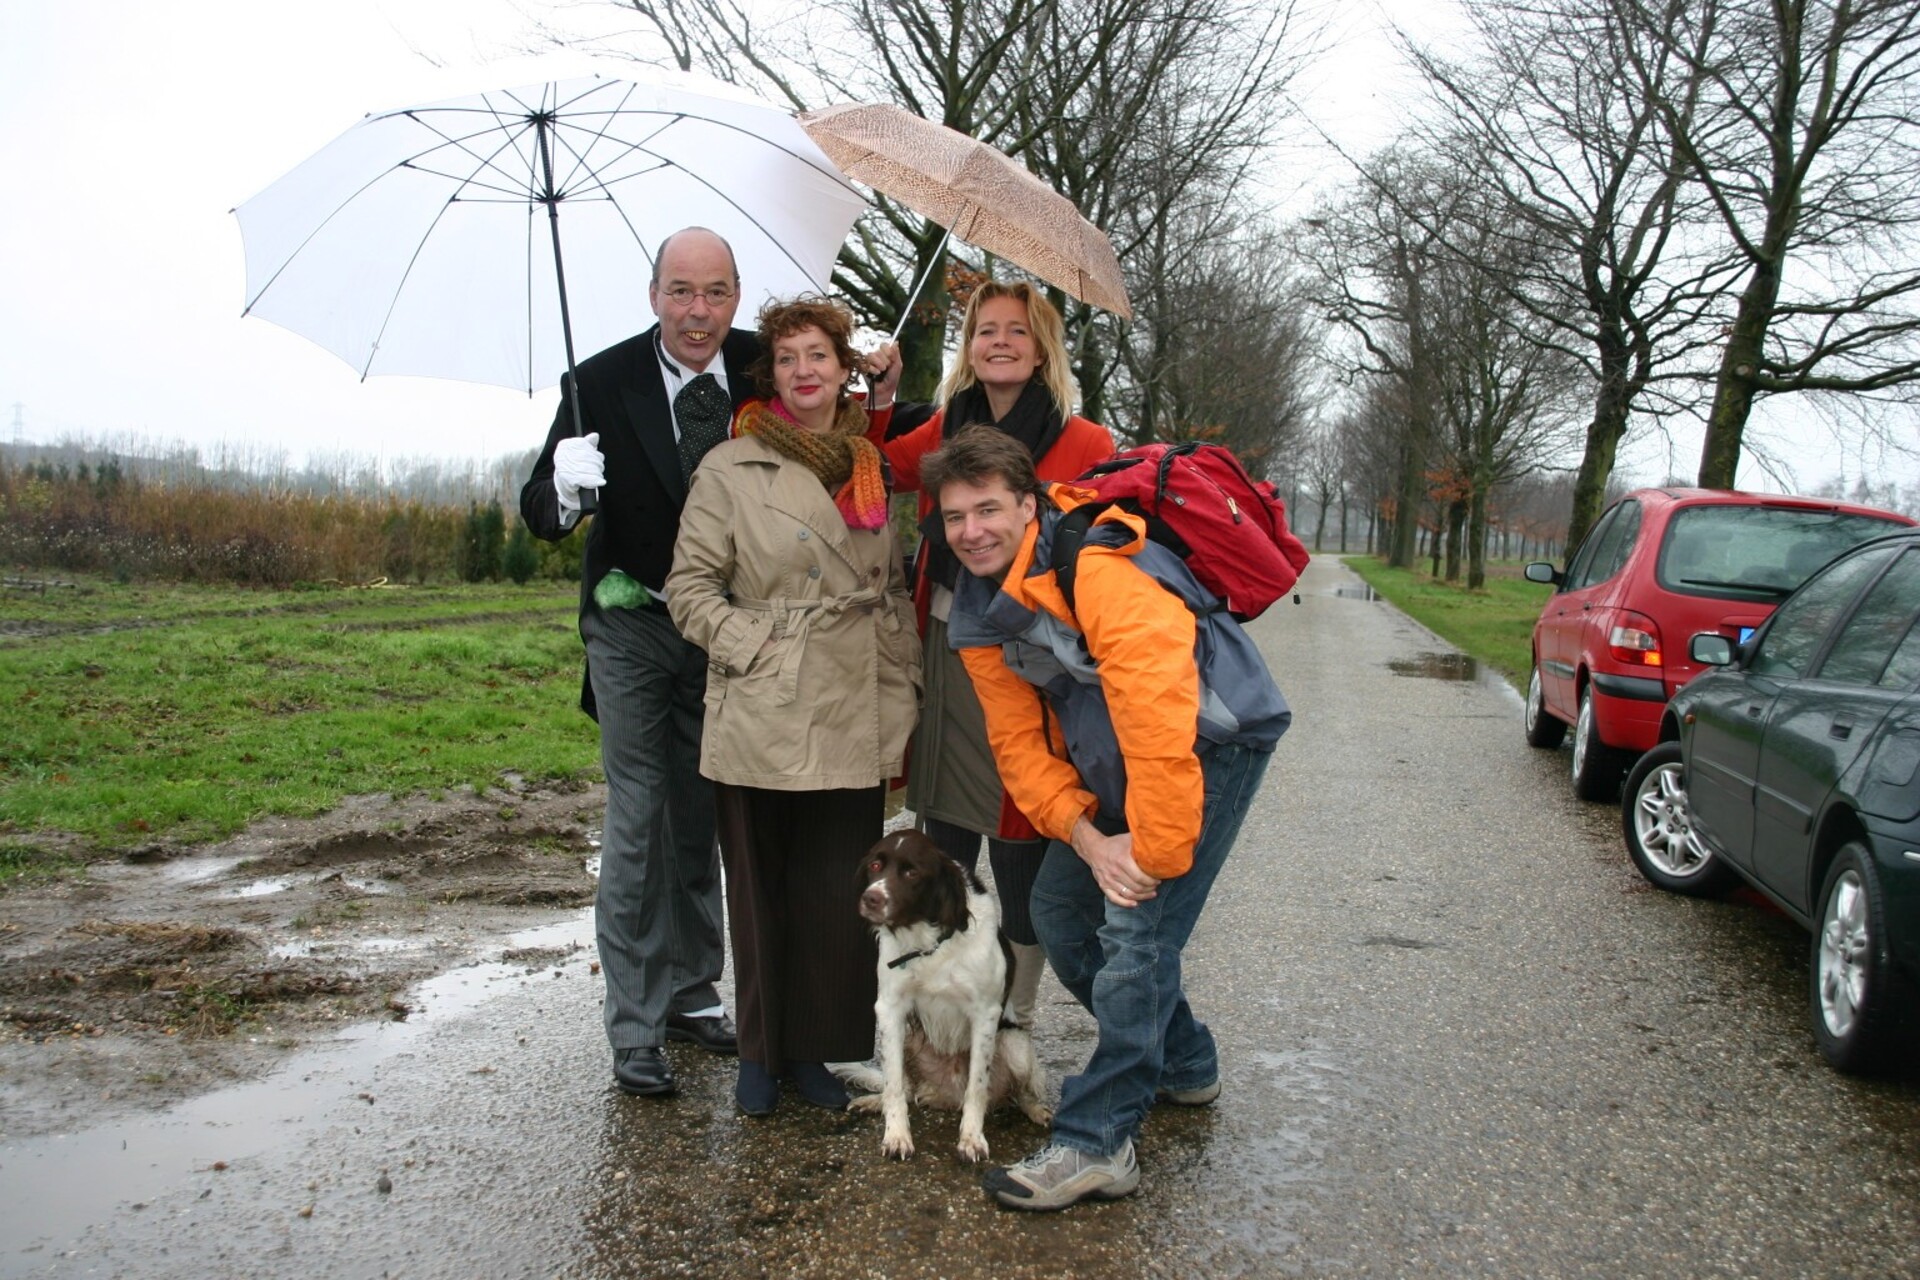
(695, 291)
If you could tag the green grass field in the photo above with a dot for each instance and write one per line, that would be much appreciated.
(136, 713)
(1494, 625)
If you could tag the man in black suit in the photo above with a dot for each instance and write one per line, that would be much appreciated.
(649, 408)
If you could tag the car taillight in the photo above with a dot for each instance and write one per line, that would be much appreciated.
(1635, 647)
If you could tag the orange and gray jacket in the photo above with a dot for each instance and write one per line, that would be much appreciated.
(1102, 714)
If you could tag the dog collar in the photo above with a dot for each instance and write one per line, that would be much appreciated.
(905, 956)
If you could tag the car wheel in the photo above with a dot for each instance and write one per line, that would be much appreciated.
(1596, 766)
(1658, 825)
(1544, 730)
(1857, 992)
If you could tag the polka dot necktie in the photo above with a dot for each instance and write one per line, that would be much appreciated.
(702, 411)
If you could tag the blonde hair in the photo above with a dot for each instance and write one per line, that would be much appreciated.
(1049, 337)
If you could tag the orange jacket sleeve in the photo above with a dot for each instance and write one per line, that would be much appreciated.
(904, 454)
(1142, 637)
(1042, 782)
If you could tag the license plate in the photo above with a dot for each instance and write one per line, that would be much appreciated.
(1746, 634)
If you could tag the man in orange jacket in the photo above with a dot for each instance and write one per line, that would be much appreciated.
(1133, 730)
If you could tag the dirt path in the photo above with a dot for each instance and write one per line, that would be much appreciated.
(144, 980)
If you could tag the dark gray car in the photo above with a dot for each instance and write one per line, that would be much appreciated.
(1792, 766)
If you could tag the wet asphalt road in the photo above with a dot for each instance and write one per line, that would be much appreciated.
(1460, 1038)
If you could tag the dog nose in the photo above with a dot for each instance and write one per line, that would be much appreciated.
(874, 899)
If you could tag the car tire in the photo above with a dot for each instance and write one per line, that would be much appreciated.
(1858, 994)
(1544, 729)
(1596, 766)
(1657, 822)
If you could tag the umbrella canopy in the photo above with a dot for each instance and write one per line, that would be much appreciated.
(428, 241)
(974, 190)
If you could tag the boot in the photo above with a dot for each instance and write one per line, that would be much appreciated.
(1029, 962)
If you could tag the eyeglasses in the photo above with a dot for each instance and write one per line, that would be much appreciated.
(682, 296)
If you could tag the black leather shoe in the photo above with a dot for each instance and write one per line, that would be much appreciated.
(714, 1034)
(818, 1085)
(642, 1071)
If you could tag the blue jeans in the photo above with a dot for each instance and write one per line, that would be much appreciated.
(1123, 965)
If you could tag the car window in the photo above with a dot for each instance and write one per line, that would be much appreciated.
(1610, 541)
(1879, 623)
(1577, 568)
(1755, 553)
(1613, 553)
(1798, 626)
(1903, 668)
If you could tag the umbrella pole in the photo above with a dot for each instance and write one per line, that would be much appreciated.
(542, 122)
(939, 256)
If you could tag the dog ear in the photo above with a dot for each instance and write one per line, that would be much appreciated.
(947, 895)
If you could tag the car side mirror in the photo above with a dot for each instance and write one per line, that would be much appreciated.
(1710, 648)
(1543, 571)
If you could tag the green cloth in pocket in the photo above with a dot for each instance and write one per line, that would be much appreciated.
(619, 591)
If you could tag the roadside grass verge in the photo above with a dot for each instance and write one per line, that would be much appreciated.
(130, 714)
(1493, 625)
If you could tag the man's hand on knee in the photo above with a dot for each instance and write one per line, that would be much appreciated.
(1110, 858)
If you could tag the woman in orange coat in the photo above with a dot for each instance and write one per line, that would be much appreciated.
(1013, 374)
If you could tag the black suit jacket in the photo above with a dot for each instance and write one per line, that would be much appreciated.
(623, 396)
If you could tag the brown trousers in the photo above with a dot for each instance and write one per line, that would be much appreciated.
(803, 959)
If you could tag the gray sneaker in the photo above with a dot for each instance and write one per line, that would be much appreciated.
(1055, 1177)
(1201, 1097)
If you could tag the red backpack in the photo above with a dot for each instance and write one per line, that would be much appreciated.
(1200, 503)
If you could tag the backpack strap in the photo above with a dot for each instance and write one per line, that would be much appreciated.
(1069, 535)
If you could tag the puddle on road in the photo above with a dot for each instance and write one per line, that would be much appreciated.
(53, 1188)
(1360, 592)
(1456, 668)
(1437, 666)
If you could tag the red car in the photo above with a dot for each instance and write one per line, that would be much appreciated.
(1659, 566)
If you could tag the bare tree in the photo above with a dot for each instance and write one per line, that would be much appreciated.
(1559, 117)
(1378, 252)
(1220, 351)
(1134, 109)
(1505, 391)
(1806, 140)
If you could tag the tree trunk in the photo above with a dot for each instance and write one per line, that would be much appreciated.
(1733, 394)
(1456, 529)
(1611, 401)
(1477, 537)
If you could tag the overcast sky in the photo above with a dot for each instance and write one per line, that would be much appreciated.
(133, 128)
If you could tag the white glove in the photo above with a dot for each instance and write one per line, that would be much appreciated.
(578, 464)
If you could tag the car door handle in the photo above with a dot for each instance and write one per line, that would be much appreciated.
(1841, 729)
(1754, 709)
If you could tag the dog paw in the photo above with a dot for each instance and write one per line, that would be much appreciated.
(973, 1147)
(1039, 1114)
(897, 1145)
(864, 1103)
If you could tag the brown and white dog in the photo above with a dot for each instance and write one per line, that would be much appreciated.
(943, 984)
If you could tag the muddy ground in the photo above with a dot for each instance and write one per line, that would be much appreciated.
(152, 976)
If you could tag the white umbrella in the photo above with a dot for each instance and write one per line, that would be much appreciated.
(428, 241)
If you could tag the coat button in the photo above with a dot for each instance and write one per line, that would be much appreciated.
(813, 571)
(803, 535)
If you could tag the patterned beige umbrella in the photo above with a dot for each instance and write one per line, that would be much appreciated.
(974, 190)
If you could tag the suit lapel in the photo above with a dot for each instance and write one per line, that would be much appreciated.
(643, 394)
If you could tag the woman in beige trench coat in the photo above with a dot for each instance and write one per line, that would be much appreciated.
(787, 572)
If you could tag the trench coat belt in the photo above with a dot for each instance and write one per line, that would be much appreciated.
(792, 619)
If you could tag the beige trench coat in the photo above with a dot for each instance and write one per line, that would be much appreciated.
(813, 663)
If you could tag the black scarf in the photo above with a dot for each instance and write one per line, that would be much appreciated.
(1035, 421)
